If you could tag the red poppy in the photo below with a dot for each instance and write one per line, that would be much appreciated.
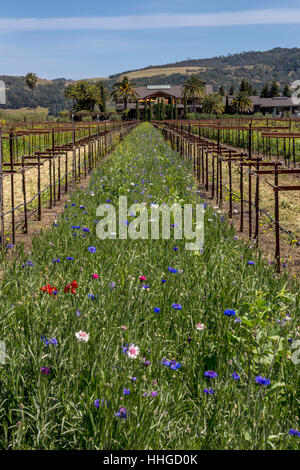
(73, 286)
(51, 290)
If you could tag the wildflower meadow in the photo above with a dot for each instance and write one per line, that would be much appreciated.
(141, 344)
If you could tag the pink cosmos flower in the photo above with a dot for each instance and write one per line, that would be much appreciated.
(200, 326)
(95, 276)
(142, 278)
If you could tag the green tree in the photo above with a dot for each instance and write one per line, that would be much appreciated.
(231, 90)
(84, 95)
(213, 104)
(246, 87)
(150, 110)
(145, 110)
(125, 90)
(104, 95)
(242, 104)
(193, 88)
(163, 109)
(171, 110)
(286, 91)
(222, 91)
(31, 81)
(265, 92)
(274, 91)
(137, 114)
(175, 110)
(185, 110)
(227, 105)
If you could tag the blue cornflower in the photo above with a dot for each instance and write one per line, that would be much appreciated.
(46, 341)
(92, 249)
(122, 413)
(91, 296)
(175, 365)
(28, 263)
(70, 258)
(262, 380)
(56, 260)
(251, 263)
(133, 379)
(175, 248)
(172, 270)
(75, 226)
(229, 313)
(156, 309)
(208, 391)
(172, 364)
(294, 432)
(211, 374)
(177, 306)
(235, 376)
(52, 341)
(126, 391)
(163, 281)
(165, 362)
(112, 285)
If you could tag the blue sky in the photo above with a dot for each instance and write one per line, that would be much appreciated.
(93, 38)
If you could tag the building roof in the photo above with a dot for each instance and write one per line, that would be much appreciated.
(276, 102)
(173, 90)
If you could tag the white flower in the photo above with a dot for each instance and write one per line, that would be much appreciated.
(82, 336)
(200, 326)
(133, 351)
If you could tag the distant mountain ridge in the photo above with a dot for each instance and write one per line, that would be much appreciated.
(283, 57)
(280, 64)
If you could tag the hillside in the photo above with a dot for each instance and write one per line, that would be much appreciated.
(48, 94)
(282, 65)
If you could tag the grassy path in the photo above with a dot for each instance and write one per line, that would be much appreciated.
(65, 390)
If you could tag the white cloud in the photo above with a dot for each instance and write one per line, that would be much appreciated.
(135, 22)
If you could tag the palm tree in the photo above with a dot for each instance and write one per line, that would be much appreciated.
(31, 81)
(125, 90)
(84, 95)
(193, 88)
(242, 103)
(212, 104)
